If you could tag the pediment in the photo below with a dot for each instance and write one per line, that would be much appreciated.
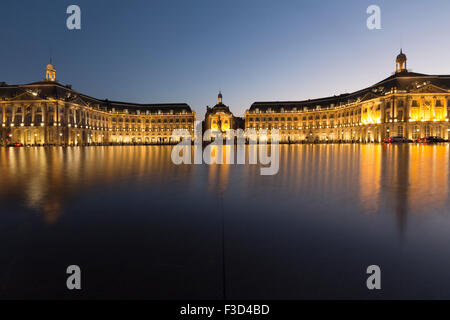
(27, 95)
(79, 101)
(369, 96)
(429, 88)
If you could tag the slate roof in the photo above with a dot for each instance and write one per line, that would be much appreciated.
(220, 107)
(403, 81)
(55, 90)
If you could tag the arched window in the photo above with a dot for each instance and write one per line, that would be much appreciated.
(17, 120)
(28, 119)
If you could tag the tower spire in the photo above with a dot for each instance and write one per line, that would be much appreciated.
(50, 72)
(400, 62)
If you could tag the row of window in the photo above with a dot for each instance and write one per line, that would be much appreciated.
(81, 114)
(414, 103)
(153, 128)
(159, 120)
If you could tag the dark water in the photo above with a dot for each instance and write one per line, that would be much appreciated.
(141, 227)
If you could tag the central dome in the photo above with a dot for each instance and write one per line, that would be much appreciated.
(401, 57)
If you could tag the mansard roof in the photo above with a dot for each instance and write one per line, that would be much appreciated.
(409, 82)
(56, 90)
(220, 107)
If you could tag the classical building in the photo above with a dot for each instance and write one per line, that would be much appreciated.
(49, 113)
(220, 119)
(407, 104)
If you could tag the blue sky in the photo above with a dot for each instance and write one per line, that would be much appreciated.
(186, 51)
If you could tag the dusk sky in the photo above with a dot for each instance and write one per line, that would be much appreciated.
(186, 51)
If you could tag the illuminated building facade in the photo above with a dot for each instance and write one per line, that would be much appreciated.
(406, 104)
(219, 119)
(49, 113)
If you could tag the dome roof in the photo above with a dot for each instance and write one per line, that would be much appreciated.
(401, 57)
(220, 107)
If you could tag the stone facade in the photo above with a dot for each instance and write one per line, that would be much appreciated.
(219, 119)
(49, 113)
(406, 104)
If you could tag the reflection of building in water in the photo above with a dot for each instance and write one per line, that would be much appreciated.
(428, 176)
(407, 104)
(370, 176)
(218, 177)
(403, 179)
(47, 180)
(385, 180)
(397, 185)
(49, 113)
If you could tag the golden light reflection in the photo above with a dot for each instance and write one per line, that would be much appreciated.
(367, 178)
(44, 179)
(370, 175)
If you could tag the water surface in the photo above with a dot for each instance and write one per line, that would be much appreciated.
(142, 227)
